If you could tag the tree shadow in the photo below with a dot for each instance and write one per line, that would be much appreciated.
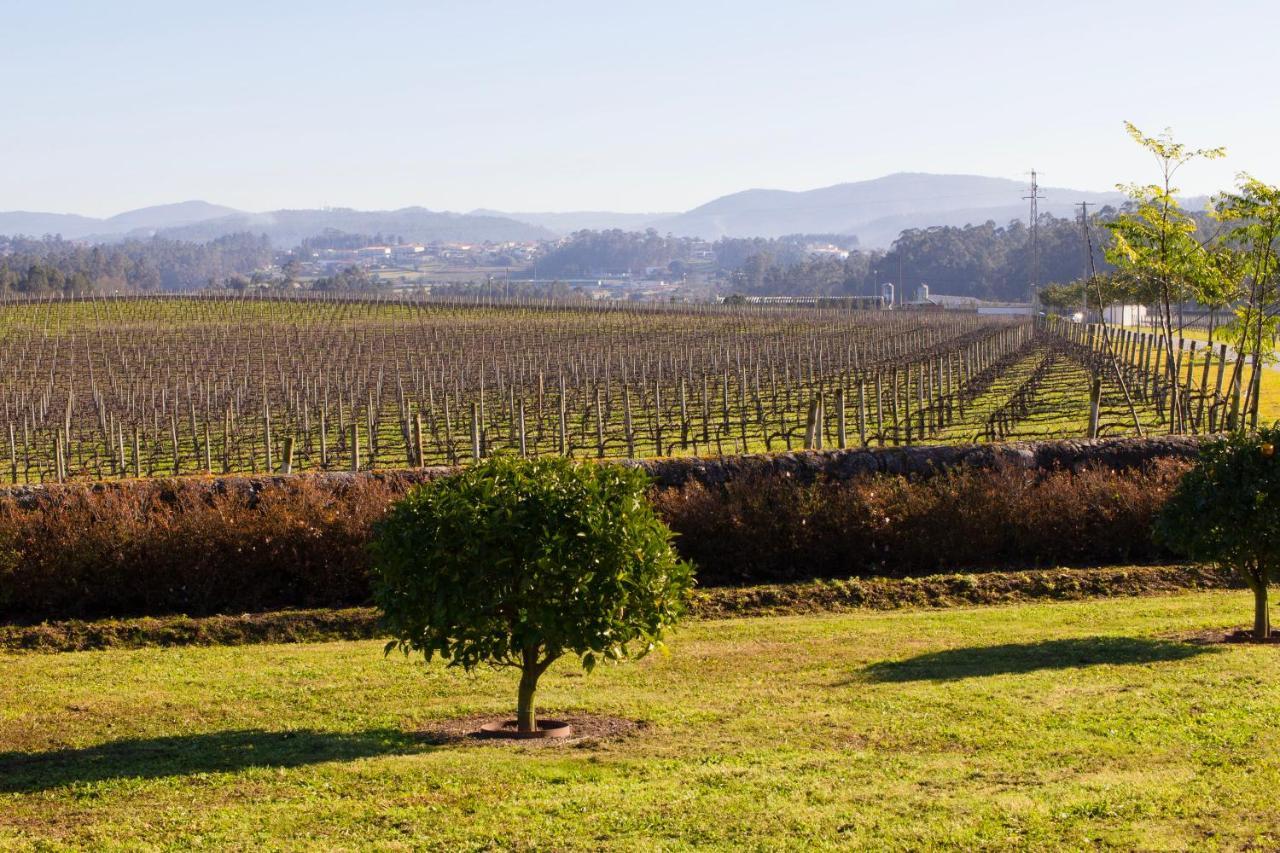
(180, 755)
(1015, 658)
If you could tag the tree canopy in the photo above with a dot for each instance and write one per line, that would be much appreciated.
(52, 265)
(517, 562)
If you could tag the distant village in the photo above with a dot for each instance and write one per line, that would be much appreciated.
(415, 254)
(424, 267)
(507, 268)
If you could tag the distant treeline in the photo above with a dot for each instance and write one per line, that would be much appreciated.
(987, 261)
(52, 265)
(332, 238)
(586, 254)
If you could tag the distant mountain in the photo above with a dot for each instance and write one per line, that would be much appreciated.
(75, 227)
(579, 220)
(875, 210)
(201, 221)
(288, 228)
(167, 216)
(31, 224)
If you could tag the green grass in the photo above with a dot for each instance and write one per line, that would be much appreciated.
(1050, 725)
(1059, 409)
(1220, 334)
(1269, 399)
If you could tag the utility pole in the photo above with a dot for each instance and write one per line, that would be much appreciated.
(1034, 196)
(901, 284)
(1089, 270)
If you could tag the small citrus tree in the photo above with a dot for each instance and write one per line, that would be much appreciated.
(516, 562)
(1227, 510)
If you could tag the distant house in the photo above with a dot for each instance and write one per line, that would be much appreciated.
(1126, 315)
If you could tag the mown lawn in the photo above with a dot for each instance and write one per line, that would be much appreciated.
(1067, 724)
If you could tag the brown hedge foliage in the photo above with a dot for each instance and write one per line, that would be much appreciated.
(150, 547)
(201, 547)
(757, 530)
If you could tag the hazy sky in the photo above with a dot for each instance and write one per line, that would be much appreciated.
(637, 106)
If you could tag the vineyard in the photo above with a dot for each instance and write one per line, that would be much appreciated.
(162, 386)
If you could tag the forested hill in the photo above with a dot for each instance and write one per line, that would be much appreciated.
(200, 221)
(76, 227)
(875, 210)
(987, 261)
(50, 266)
(586, 254)
(287, 228)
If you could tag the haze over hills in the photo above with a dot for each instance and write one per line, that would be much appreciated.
(200, 221)
(579, 220)
(287, 228)
(75, 227)
(875, 210)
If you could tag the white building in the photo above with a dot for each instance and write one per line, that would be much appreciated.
(1126, 315)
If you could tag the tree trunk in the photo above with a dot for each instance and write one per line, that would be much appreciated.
(1261, 615)
(526, 717)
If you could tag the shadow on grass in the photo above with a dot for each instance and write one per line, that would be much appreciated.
(181, 755)
(1014, 658)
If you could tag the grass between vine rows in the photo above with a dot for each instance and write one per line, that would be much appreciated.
(1035, 725)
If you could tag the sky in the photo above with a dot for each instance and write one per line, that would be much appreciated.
(649, 105)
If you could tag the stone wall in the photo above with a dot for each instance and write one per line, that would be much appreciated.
(923, 460)
(806, 465)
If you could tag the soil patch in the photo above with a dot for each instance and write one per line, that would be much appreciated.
(1218, 636)
(589, 730)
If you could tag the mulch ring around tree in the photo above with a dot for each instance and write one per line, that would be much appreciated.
(588, 730)
(1217, 636)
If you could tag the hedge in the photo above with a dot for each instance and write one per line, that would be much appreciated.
(204, 546)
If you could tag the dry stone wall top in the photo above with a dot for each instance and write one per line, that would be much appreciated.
(808, 465)
(924, 460)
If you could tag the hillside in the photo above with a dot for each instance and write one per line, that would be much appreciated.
(201, 221)
(579, 220)
(876, 210)
(167, 216)
(287, 228)
(75, 227)
(27, 223)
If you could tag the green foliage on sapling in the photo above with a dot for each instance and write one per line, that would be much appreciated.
(517, 562)
(1226, 510)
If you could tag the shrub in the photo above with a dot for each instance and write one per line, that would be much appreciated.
(1227, 510)
(517, 562)
(766, 529)
(193, 546)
